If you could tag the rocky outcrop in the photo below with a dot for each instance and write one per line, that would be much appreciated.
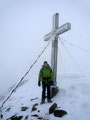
(14, 117)
(8, 109)
(34, 107)
(24, 108)
(52, 108)
(34, 99)
(37, 116)
(59, 113)
(40, 118)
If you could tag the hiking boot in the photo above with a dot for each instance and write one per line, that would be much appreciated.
(43, 101)
(49, 101)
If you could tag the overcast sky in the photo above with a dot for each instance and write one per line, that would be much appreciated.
(23, 23)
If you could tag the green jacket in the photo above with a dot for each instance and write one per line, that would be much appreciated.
(46, 72)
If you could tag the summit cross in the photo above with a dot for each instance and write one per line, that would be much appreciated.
(54, 34)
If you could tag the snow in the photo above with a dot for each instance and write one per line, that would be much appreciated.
(73, 97)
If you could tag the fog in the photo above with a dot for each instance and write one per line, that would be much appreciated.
(23, 23)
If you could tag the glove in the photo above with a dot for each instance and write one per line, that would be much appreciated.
(39, 84)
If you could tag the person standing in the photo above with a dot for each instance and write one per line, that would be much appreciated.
(47, 78)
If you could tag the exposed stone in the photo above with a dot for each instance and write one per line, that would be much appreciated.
(34, 107)
(26, 118)
(52, 108)
(24, 108)
(1, 116)
(59, 113)
(34, 99)
(35, 115)
(8, 109)
(40, 118)
(11, 118)
(14, 117)
(54, 90)
(38, 110)
(35, 104)
(17, 118)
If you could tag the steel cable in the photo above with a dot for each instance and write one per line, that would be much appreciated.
(61, 60)
(75, 45)
(22, 79)
(73, 59)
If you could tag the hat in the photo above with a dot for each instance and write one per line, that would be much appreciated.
(45, 62)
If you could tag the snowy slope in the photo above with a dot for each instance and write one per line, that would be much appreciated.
(73, 97)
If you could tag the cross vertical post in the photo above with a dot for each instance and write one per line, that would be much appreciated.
(54, 55)
(56, 31)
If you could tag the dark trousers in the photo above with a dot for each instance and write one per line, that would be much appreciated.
(44, 87)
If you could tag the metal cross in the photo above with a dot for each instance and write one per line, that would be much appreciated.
(56, 31)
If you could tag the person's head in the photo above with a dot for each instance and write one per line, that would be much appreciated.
(45, 63)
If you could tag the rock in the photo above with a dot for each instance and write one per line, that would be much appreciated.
(11, 118)
(24, 108)
(52, 108)
(59, 113)
(34, 107)
(34, 99)
(38, 110)
(8, 109)
(1, 116)
(14, 117)
(17, 118)
(26, 118)
(35, 115)
(40, 118)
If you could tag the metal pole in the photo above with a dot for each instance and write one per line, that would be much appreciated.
(55, 47)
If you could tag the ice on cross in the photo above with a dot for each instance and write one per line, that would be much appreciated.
(56, 31)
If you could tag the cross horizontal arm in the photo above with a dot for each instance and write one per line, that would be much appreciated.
(63, 28)
(58, 31)
(49, 35)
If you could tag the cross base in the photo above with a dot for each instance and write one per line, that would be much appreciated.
(54, 90)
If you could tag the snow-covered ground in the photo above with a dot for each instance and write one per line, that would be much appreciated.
(73, 97)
